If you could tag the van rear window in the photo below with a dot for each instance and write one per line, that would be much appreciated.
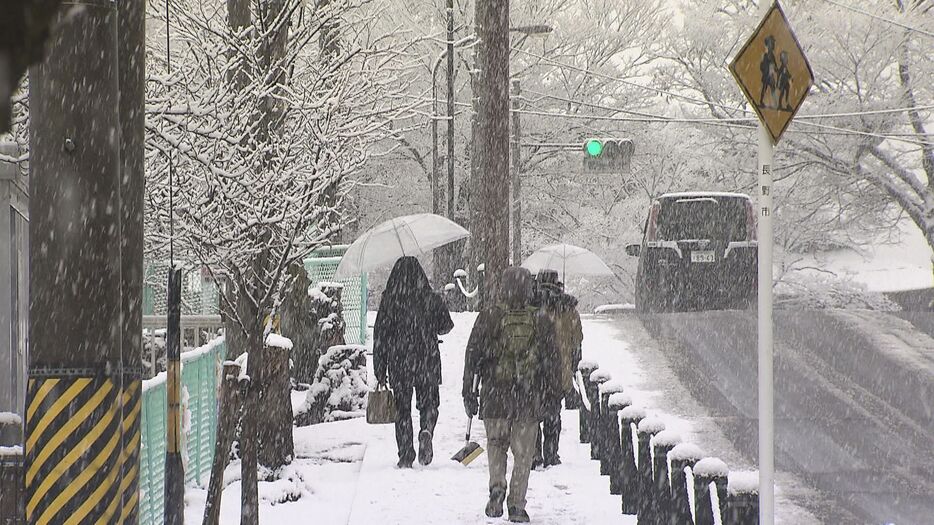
(713, 218)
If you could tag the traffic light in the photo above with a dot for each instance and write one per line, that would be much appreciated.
(607, 155)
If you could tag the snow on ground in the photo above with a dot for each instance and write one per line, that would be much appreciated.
(344, 472)
(905, 265)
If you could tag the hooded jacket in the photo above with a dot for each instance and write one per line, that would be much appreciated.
(515, 400)
(410, 318)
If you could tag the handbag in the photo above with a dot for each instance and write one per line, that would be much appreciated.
(380, 406)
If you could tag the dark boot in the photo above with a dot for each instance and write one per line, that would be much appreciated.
(518, 515)
(494, 507)
(425, 452)
(404, 463)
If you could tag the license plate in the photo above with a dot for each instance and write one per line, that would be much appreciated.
(703, 257)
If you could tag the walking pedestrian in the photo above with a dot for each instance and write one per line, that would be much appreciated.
(561, 308)
(512, 350)
(406, 356)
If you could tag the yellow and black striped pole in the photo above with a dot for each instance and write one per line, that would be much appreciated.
(82, 428)
(174, 469)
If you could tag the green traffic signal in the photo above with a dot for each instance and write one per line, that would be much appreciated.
(594, 147)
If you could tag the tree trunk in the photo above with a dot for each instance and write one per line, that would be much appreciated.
(249, 447)
(276, 447)
(493, 146)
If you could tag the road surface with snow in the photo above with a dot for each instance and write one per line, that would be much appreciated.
(853, 409)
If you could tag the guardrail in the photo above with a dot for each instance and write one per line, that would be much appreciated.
(201, 369)
(658, 478)
(196, 330)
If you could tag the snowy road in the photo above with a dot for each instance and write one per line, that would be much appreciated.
(853, 403)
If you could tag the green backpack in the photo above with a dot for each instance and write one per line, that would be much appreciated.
(514, 355)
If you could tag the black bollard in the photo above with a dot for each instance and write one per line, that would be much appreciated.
(585, 368)
(682, 456)
(597, 378)
(647, 429)
(609, 426)
(742, 501)
(629, 419)
(707, 471)
(620, 432)
(662, 444)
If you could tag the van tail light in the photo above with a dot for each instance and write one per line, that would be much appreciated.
(651, 233)
(750, 222)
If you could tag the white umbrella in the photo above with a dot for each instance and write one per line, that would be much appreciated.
(382, 244)
(569, 259)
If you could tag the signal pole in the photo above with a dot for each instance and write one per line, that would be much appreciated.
(516, 179)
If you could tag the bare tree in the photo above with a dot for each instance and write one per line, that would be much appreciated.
(256, 130)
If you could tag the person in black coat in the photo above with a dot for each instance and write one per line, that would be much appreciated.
(405, 353)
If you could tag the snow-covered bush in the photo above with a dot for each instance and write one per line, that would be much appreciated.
(804, 290)
(340, 387)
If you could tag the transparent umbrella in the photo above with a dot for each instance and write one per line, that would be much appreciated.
(382, 244)
(569, 260)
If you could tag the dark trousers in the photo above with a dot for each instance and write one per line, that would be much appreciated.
(427, 400)
(546, 444)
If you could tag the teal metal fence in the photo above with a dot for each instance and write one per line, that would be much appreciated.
(201, 369)
(321, 267)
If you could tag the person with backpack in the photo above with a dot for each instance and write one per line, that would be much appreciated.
(561, 309)
(512, 351)
(410, 318)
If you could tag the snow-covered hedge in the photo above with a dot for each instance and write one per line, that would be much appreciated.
(804, 290)
(340, 387)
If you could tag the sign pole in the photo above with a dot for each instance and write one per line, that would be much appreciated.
(775, 77)
(766, 393)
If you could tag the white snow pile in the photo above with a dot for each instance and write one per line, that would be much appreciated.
(278, 341)
(611, 387)
(665, 438)
(15, 450)
(243, 361)
(711, 468)
(651, 425)
(599, 376)
(10, 418)
(632, 413)
(743, 482)
(587, 365)
(606, 309)
(805, 290)
(339, 389)
(619, 400)
(686, 451)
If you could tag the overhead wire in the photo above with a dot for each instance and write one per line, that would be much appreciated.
(168, 61)
(803, 122)
(881, 18)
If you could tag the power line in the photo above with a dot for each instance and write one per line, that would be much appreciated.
(882, 18)
(640, 113)
(648, 117)
(634, 84)
(710, 103)
(834, 130)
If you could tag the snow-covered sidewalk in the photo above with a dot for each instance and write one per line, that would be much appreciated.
(446, 492)
(344, 473)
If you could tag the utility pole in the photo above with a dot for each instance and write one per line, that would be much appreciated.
(516, 179)
(131, 32)
(493, 143)
(450, 79)
(83, 377)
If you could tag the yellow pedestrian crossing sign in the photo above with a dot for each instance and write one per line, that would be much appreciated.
(773, 72)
